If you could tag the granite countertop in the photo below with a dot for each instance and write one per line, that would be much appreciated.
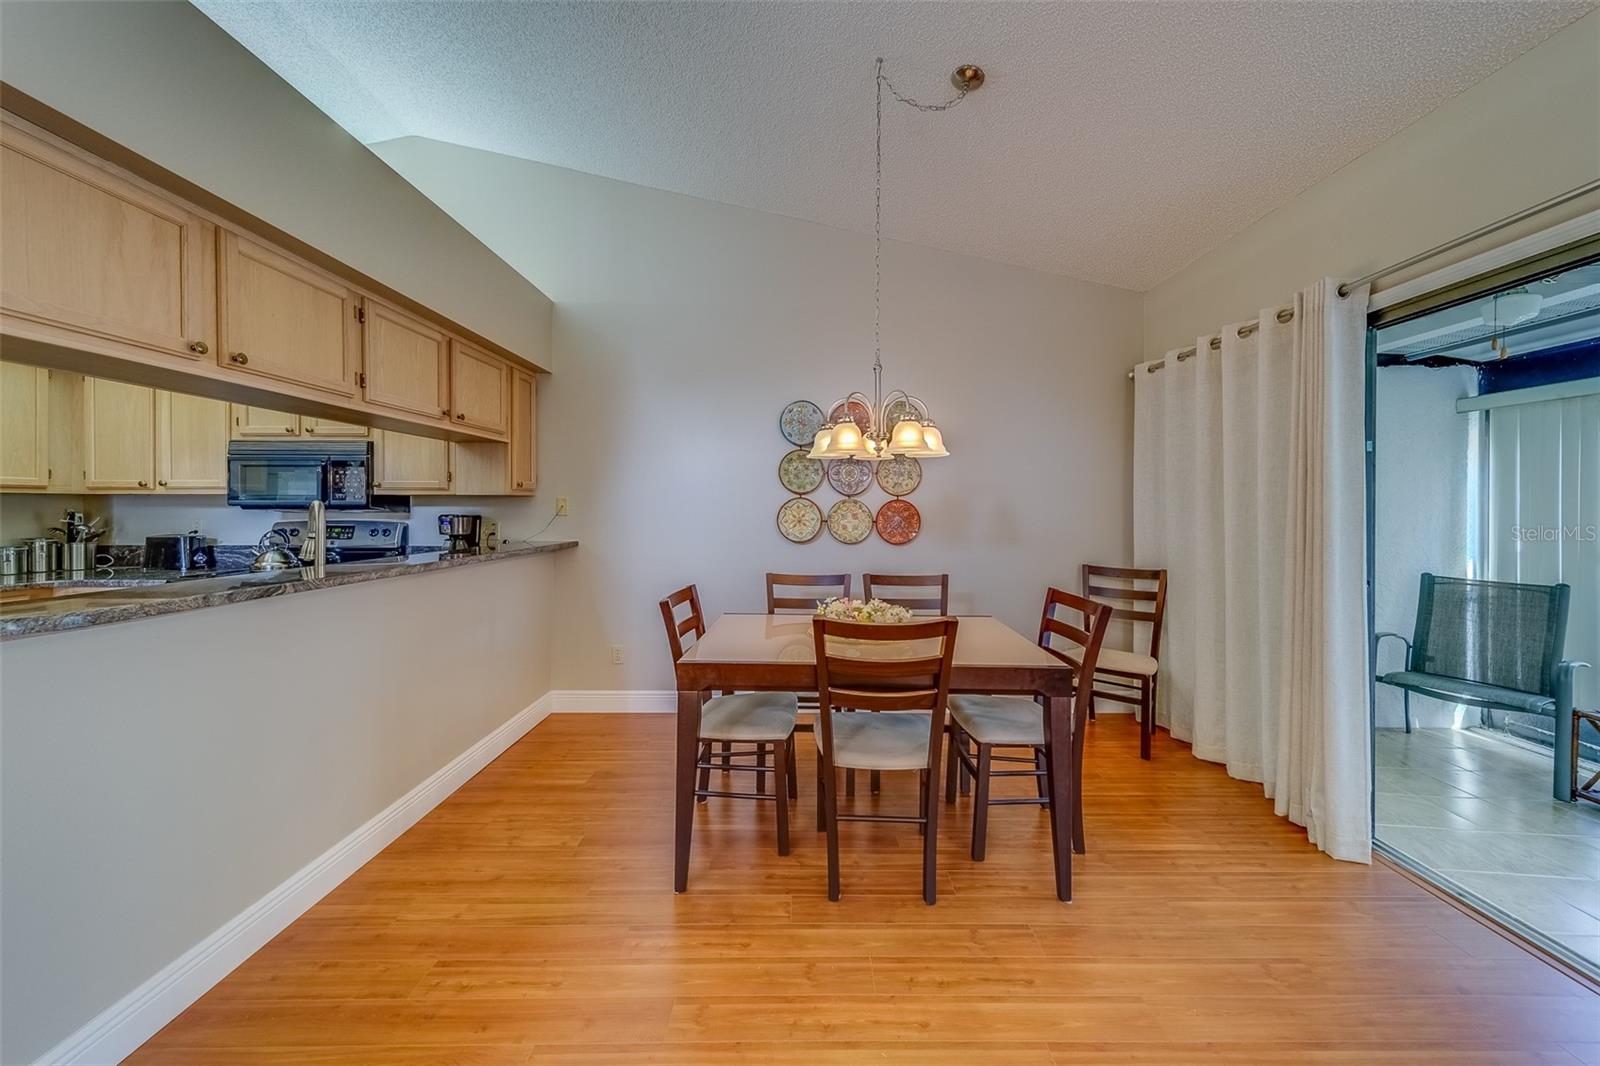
(138, 593)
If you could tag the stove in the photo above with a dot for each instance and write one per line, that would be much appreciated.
(353, 540)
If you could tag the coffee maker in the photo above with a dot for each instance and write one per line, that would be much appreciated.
(463, 533)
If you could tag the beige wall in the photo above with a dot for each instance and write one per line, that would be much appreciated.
(1524, 134)
(158, 777)
(162, 79)
(684, 326)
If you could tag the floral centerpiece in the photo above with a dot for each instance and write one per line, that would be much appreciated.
(844, 609)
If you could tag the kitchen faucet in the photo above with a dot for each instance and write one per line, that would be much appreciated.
(314, 548)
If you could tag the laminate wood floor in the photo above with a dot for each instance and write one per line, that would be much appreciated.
(530, 919)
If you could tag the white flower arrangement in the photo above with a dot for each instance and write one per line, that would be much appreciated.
(844, 609)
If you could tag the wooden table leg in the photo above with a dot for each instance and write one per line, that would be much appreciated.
(688, 751)
(1058, 742)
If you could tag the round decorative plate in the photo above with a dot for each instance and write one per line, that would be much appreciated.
(849, 477)
(799, 520)
(899, 522)
(799, 422)
(898, 411)
(798, 474)
(850, 521)
(860, 412)
(899, 476)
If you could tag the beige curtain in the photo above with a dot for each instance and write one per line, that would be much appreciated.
(1250, 488)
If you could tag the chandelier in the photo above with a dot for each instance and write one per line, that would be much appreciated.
(882, 426)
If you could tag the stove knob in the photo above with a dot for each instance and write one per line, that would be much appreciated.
(387, 531)
(372, 532)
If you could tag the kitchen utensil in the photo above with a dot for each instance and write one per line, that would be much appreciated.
(13, 560)
(274, 556)
(78, 556)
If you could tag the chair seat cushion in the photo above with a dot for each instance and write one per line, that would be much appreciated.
(1003, 720)
(1118, 661)
(892, 740)
(1458, 690)
(749, 716)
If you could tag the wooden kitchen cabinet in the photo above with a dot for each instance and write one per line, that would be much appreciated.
(262, 423)
(84, 250)
(24, 427)
(191, 443)
(406, 363)
(120, 436)
(524, 442)
(328, 429)
(282, 318)
(404, 463)
(477, 387)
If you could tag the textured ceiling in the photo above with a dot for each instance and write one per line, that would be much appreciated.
(1114, 142)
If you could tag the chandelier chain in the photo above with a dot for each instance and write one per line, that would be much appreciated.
(881, 82)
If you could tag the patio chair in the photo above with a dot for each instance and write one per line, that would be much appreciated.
(1494, 645)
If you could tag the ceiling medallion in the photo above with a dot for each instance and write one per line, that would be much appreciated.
(877, 427)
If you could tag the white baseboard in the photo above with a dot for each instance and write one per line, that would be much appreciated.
(613, 701)
(118, 1030)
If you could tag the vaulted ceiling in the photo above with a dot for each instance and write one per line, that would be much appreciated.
(1114, 142)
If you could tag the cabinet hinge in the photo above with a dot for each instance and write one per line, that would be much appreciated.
(449, 477)
(361, 379)
(361, 314)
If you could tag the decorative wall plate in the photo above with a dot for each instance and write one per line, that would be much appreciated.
(850, 521)
(799, 423)
(899, 411)
(798, 474)
(898, 522)
(899, 476)
(849, 477)
(799, 520)
(858, 411)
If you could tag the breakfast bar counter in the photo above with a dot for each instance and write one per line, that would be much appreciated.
(105, 597)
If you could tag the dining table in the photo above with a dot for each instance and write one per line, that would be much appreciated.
(776, 652)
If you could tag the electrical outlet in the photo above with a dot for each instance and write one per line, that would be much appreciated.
(561, 506)
(616, 655)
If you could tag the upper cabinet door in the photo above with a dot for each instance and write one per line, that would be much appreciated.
(24, 427)
(83, 248)
(405, 463)
(120, 436)
(524, 433)
(282, 318)
(328, 428)
(191, 443)
(477, 387)
(406, 363)
(255, 422)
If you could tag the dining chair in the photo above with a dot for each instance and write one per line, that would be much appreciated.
(924, 594)
(893, 670)
(920, 599)
(1126, 676)
(761, 719)
(992, 722)
(781, 602)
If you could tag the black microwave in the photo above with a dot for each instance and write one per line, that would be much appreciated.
(267, 475)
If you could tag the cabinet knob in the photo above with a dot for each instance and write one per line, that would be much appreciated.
(311, 429)
(288, 429)
(162, 482)
(144, 484)
(199, 347)
(461, 418)
(239, 358)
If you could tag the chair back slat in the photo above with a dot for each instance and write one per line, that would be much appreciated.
(873, 586)
(1086, 638)
(879, 679)
(827, 586)
(693, 622)
(1121, 587)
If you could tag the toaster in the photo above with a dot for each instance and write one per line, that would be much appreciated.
(182, 552)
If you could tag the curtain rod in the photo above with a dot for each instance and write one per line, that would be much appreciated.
(1286, 315)
(1466, 238)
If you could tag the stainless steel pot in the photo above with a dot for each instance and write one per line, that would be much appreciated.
(44, 555)
(13, 560)
(78, 556)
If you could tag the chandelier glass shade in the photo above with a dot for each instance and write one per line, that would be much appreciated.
(899, 423)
